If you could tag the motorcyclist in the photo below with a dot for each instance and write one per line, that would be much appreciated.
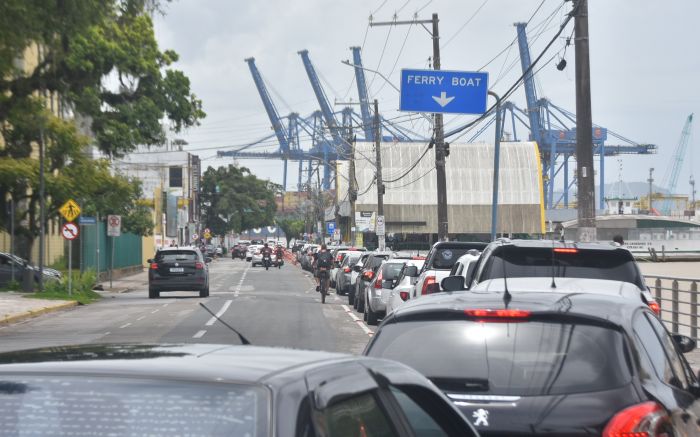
(266, 252)
(323, 261)
(279, 253)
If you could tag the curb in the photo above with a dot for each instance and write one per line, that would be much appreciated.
(28, 314)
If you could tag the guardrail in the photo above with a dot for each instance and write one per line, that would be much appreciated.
(678, 299)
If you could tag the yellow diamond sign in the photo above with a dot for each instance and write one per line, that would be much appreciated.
(70, 210)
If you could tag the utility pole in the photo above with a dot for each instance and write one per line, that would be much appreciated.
(584, 127)
(352, 195)
(439, 133)
(381, 241)
(692, 192)
(651, 181)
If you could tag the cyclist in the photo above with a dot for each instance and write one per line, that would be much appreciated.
(324, 262)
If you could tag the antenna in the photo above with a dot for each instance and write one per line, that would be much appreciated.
(240, 336)
(553, 284)
(507, 297)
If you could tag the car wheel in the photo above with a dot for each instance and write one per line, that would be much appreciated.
(204, 292)
(360, 305)
(351, 299)
(372, 318)
(332, 284)
(152, 293)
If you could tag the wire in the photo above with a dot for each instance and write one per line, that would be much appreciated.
(423, 7)
(430, 170)
(428, 147)
(461, 28)
(410, 26)
(377, 10)
(381, 57)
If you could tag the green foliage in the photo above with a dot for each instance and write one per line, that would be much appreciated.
(12, 286)
(233, 199)
(81, 289)
(292, 227)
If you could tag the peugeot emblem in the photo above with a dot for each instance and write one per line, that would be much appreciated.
(177, 265)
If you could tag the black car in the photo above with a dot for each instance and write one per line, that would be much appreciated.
(548, 363)
(178, 269)
(12, 266)
(217, 390)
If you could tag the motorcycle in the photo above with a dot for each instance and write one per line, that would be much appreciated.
(267, 260)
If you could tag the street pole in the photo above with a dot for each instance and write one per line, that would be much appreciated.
(42, 206)
(440, 148)
(97, 246)
(651, 181)
(12, 234)
(584, 126)
(496, 167)
(352, 195)
(111, 262)
(381, 239)
(70, 267)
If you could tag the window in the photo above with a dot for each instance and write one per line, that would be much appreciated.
(176, 255)
(358, 416)
(175, 177)
(648, 341)
(420, 420)
(669, 346)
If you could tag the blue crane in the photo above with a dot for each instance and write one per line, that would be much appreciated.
(670, 179)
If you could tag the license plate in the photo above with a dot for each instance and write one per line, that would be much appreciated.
(177, 270)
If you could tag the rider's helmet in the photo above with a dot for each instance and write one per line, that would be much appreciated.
(323, 247)
(265, 245)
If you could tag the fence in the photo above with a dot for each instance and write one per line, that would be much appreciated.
(127, 249)
(678, 298)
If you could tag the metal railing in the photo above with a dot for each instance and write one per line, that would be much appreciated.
(678, 299)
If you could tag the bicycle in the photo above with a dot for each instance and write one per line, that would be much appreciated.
(323, 279)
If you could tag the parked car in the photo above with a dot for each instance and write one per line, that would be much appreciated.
(548, 362)
(338, 257)
(439, 262)
(369, 271)
(10, 262)
(355, 277)
(209, 390)
(378, 290)
(178, 269)
(344, 273)
(404, 284)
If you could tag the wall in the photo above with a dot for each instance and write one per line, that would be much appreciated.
(128, 249)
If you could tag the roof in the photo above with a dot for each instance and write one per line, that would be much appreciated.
(563, 285)
(549, 244)
(167, 249)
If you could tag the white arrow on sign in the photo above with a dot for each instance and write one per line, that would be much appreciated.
(443, 100)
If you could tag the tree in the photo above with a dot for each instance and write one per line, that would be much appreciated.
(90, 62)
(292, 227)
(233, 199)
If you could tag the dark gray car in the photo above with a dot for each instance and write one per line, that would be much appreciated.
(178, 269)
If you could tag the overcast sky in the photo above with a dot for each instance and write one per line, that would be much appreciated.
(644, 64)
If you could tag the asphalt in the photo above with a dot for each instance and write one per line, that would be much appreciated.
(279, 307)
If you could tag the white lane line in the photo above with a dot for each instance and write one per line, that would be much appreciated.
(125, 325)
(107, 333)
(141, 318)
(237, 291)
(358, 320)
(166, 304)
(154, 311)
(200, 334)
(220, 313)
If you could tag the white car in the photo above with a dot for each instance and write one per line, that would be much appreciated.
(404, 284)
(439, 262)
(461, 267)
(257, 259)
(377, 293)
(251, 250)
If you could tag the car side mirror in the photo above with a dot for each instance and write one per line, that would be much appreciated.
(207, 260)
(453, 283)
(685, 344)
(357, 268)
(411, 271)
(469, 277)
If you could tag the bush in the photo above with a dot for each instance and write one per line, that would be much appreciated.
(81, 288)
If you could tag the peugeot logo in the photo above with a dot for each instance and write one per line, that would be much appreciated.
(177, 265)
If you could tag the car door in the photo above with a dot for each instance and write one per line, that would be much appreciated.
(673, 375)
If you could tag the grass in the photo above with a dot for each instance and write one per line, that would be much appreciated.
(11, 286)
(81, 289)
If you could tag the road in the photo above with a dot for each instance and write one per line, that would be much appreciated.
(279, 307)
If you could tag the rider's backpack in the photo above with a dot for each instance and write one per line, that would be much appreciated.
(325, 259)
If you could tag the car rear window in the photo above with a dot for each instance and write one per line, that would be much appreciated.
(377, 260)
(530, 262)
(177, 255)
(390, 271)
(443, 258)
(520, 359)
(88, 405)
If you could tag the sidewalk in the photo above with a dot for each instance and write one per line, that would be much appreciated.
(15, 307)
(125, 283)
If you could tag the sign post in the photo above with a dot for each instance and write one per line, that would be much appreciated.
(70, 232)
(114, 229)
(381, 232)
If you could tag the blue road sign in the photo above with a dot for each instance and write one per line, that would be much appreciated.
(84, 220)
(441, 91)
(330, 228)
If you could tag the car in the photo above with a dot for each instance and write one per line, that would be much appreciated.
(178, 269)
(378, 290)
(557, 259)
(338, 257)
(404, 284)
(355, 277)
(251, 250)
(13, 266)
(218, 251)
(548, 362)
(210, 250)
(344, 273)
(210, 389)
(257, 259)
(439, 261)
(369, 271)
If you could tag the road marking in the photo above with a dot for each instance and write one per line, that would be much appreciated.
(358, 320)
(220, 313)
(141, 318)
(200, 334)
(125, 325)
(166, 304)
(237, 290)
(154, 311)
(107, 333)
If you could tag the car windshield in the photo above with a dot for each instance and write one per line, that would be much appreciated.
(176, 255)
(528, 262)
(524, 359)
(56, 405)
(390, 271)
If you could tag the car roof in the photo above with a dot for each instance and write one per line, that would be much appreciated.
(548, 244)
(614, 309)
(455, 244)
(192, 362)
(169, 249)
(564, 285)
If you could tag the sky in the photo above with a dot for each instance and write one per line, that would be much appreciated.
(643, 53)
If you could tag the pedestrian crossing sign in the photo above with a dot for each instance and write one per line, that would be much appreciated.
(70, 210)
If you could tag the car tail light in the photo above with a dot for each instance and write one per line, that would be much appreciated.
(339, 258)
(497, 314)
(198, 265)
(418, 258)
(347, 270)
(378, 282)
(403, 295)
(655, 307)
(154, 266)
(647, 419)
(430, 285)
(565, 250)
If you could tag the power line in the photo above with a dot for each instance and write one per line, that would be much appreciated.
(381, 57)
(397, 57)
(454, 35)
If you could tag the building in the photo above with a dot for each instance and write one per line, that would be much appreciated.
(171, 184)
